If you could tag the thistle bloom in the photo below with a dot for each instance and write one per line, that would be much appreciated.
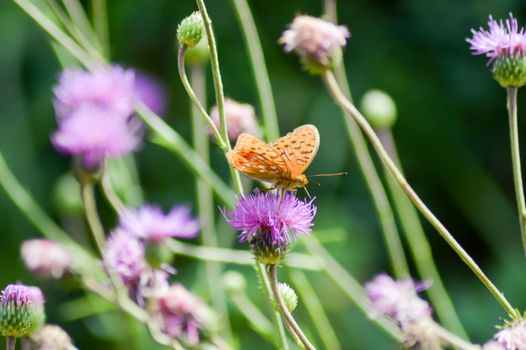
(93, 134)
(182, 315)
(124, 255)
(270, 224)
(149, 223)
(46, 258)
(512, 337)
(316, 41)
(504, 44)
(111, 88)
(21, 310)
(151, 93)
(240, 118)
(398, 299)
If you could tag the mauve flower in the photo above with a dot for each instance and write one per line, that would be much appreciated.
(108, 87)
(240, 118)
(46, 258)
(151, 93)
(94, 133)
(513, 336)
(184, 316)
(21, 310)
(262, 212)
(124, 256)
(316, 41)
(151, 224)
(397, 299)
(50, 337)
(502, 39)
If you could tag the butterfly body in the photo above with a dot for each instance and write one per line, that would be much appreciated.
(282, 162)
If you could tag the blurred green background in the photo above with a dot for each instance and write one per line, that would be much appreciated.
(452, 135)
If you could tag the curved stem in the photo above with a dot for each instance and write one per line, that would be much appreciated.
(516, 159)
(197, 104)
(419, 245)
(87, 191)
(351, 110)
(453, 339)
(107, 188)
(259, 68)
(273, 277)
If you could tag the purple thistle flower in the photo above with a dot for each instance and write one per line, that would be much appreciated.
(108, 87)
(94, 133)
(240, 117)
(262, 212)
(151, 93)
(21, 310)
(16, 295)
(503, 39)
(512, 337)
(151, 224)
(398, 299)
(124, 255)
(46, 258)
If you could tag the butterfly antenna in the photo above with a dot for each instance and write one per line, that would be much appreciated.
(333, 174)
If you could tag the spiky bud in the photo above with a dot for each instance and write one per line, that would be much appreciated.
(190, 30)
(510, 71)
(379, 109)
(21, 310)
(289, 296)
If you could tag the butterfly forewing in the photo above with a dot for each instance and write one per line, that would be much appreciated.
(257, 160)
(298, 148)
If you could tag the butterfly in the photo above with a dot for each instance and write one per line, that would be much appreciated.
(282, 162)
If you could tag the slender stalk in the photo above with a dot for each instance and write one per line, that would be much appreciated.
(205, 202)
(99, 11)
(453, 339)
(516, 159)
(371, 177)
(78, 16)
(107, 189)
(57, 34)
(349, 286)
(418, 244)
(197, 104)
(87, 190)
(315, 309)
(218, 88)
(10, 343)
(259, 68)
(271, 270)
(170, 139)
(257, 320)
(350, 109)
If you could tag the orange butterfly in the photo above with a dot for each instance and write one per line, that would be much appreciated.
(282, 162)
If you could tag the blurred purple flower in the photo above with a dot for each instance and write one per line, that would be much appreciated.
(124, 256)
(108, 87)
(262, 212)
(397, 299)
(314, 39)
(503, 39)
(240, 118)
(46, 258)
(15, 295)
(513, 336)
(151, 93)
(151, 224)
(93, 133)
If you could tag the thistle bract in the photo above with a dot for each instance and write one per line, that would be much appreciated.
(21, 310)
(190, 30)
(290, 298)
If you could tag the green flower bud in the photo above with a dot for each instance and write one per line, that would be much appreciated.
(267, 252)
(157, 254)
(199, 54)
(510, 71)
(190, 30)
(66, 196)
(379, 109)
(289, 296)
(234, 281)
(21, 310)
(50, 337)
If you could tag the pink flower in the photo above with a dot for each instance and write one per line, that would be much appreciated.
(240, 118)
(512, 337)
(151, 93)
(46, 258)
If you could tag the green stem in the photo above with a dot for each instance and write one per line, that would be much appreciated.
(57, 34)
(315, 309)
(197, 104)
(349, 286)
(10, 343)
(205, 202)
(454, 340)
(257, 320)
(100, 23)
(218, 88)
(516, 159)
(272, 274)
(107, 188)
(350, 109)
(87, 190)
(259, 68)
(371, 177)
(419, 246)
(170, 139)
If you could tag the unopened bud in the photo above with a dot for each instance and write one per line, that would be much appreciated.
(190, 30)
(379, 109)
(289, 296)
